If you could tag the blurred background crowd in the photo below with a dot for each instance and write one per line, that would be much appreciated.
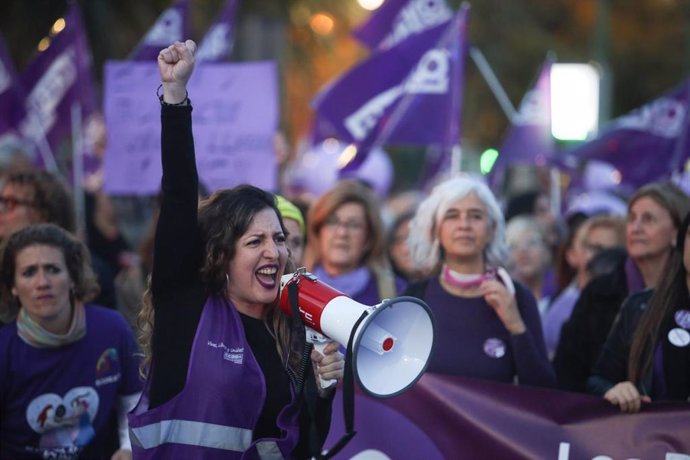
(585, 221)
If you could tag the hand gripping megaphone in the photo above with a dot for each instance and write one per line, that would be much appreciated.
(392, 342)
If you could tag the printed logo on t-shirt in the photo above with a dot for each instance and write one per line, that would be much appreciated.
(108, 367)
(232, 354)
(65, 423)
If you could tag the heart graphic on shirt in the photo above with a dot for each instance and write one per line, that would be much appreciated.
(50, 411)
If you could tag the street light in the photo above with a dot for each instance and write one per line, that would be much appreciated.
(574, 101)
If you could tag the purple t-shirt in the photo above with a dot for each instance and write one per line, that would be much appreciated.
(470, 340)
(59, 402)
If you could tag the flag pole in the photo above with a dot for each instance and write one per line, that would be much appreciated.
(456, 160)
(78, 166)
(491, 80)
(555, 192)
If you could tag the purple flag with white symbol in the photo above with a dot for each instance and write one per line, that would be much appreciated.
(414, 99)
(59, 85)
(647, 144)
(172, 25)
(11, 96)
(395, 20)
(216, 45)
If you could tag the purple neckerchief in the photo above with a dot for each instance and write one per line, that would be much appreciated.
(633, 276)
(350, 283)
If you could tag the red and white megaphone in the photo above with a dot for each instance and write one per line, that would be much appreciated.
(392, 343)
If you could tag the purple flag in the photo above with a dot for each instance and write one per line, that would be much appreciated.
(647, 144)
(395, 20)
(11, 97)
(321, 130)
(58, 82)
(529, 137)
(172, 25)
(216, 45)
(446, 417)
(415, 98)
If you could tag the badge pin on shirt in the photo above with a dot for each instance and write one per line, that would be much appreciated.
(682, 318)
(679, 337)
(494, 348)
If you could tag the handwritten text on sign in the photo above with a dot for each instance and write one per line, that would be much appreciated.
(235, 118)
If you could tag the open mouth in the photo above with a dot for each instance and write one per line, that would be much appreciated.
(267, 276)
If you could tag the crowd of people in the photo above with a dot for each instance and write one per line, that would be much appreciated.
(594, 300)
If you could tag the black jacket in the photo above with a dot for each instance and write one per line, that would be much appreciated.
(612, 365)
(584, 334)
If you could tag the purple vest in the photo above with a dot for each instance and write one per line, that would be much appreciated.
(214, 416)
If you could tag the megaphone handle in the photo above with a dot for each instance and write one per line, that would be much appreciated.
(320, 341)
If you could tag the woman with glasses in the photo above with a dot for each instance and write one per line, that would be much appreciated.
(346, 243)
(399, 251)
(590, 237)
(30, 197)
(487, 326)
(530, 254)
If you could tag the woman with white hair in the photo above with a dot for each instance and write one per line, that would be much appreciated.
(486, 326)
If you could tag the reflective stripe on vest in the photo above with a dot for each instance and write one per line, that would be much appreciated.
(268, 450)
(191, 433)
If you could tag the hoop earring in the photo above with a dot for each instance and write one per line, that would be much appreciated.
(227, 278)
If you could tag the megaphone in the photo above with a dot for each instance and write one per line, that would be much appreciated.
(392, 341)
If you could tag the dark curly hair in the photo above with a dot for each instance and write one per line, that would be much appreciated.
(222, 219)
(76, 255)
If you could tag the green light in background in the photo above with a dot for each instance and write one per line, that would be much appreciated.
(487, 160)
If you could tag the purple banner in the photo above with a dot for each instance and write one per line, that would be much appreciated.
(216, 45)
(445, 417)
(235, 119)
(395, 20)
(172, 25)
(415, 99)
(59, 88)
(647, 144)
